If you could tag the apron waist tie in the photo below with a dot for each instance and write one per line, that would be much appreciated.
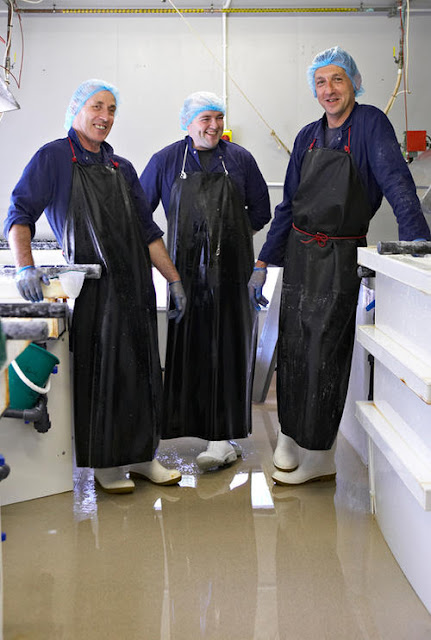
(322, 238)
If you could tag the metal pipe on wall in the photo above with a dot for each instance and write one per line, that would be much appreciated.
(225, 60)
(8, 44)
(390, 10)
(211, 10)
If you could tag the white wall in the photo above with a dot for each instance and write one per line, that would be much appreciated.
(156, 61)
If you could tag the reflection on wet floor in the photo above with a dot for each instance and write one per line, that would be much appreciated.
(225, 555)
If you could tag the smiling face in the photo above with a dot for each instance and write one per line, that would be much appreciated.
(93, 123)
(206, 129)
(335, 94)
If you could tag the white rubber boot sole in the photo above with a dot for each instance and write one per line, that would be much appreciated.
(114, 480)
(154, 472)
(285, 479)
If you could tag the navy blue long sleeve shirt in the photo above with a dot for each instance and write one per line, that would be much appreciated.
(165, 166)
(382, 168)
(46, 183)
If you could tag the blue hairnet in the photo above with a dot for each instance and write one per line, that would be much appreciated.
(197, 102)
(81, 95)
(339, 57)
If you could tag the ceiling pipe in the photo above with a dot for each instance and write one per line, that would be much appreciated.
(211, 10)
(390, 10)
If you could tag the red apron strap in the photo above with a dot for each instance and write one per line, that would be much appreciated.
(347, 147)
(74, 159)
(322, 238)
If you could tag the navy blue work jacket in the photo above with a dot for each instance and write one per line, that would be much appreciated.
(165, 166)
(47, 180)
(383, 170)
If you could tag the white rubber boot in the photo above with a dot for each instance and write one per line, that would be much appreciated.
(155, 472)
(218, 454)
(237, 447)
(315, 466)
(114, 480)
(286, 456)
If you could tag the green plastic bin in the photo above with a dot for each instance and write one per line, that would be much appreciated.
(28, 376)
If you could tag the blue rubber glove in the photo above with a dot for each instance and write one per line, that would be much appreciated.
(178, 296)
(419, 255)
(29, 282)
(255, 285)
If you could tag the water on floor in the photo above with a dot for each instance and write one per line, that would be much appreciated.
(224, 556)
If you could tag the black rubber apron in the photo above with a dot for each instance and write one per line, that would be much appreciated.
(116, 366)
(210, 353)
(331, 214)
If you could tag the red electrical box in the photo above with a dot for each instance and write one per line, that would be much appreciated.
(416, 140)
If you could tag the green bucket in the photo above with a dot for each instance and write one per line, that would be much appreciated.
(28, 376)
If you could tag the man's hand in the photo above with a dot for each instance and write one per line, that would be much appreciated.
(255, 285)
(29, 282)
(179, 299)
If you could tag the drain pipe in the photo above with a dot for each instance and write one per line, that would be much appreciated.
(38, 415)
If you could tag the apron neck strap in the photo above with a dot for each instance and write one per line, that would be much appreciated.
(75, 159)
(346, 148)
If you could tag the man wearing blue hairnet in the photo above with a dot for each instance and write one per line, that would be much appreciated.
(99, 214)
(340, 168)
(214, 197)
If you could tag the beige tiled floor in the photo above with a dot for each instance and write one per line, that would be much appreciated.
(224, 556)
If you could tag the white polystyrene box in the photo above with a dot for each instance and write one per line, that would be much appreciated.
(405, 526)
(404, 313)
(412, 409)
